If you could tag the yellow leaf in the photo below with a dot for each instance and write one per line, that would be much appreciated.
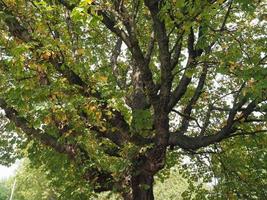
(46, 55)
(250, 82)
(80, 52)
(68, 133)
(109, 114)
(61, 116)
(103, 129)
(47, 120)
(98, 115)
(103, 78)
(86, 2)
(113, 129)
(92, 108)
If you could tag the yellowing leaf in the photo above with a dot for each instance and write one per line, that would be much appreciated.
(250, 82)
(103, 78)
(103, 129)
(61, 116)
(98, 115)
(68, 133)
(86, 2)
(47, 55)
(113, 129)
(80, 52)
(47, 120)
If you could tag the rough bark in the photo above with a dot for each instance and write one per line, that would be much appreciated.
(142, 187)
(138, 186)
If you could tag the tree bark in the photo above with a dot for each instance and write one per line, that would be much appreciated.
(142, 187)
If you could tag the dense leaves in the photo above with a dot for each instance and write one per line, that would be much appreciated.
(105, 94)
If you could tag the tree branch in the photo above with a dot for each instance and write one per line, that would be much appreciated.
(181, 88)
(104, 179)
(164, 53)
(193, 100)
(176, 51)
(150, 48)
(193, 143)
(37, 134)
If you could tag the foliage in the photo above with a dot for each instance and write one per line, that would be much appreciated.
(170, 188)
(4, 190)
(236, 169)
(10, 143)
(31, 184)
(103, 95)
(244, 174)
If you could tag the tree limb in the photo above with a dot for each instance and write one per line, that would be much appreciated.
(193, 143)
(193, 100)
(37, 134)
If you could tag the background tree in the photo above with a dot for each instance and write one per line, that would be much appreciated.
(107, 88)
(31, 184)
(4, 192)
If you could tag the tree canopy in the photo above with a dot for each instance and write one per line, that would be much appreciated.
(106, 94)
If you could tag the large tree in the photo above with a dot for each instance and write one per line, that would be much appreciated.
(114, 86)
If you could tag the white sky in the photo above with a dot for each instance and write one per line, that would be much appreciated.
(6, 172)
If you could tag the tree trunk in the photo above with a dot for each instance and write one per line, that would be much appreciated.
(140, 187)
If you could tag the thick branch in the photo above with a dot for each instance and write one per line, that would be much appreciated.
(181, 88)
(164, 53)
(193, 143)
(37, 134)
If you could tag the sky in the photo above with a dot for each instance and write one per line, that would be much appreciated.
(6, 172)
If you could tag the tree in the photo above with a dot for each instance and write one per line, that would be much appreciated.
(109, 88)
(4, 192)
(31, 184)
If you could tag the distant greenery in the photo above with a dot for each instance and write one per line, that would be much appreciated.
(31, 184)
(4, 190)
